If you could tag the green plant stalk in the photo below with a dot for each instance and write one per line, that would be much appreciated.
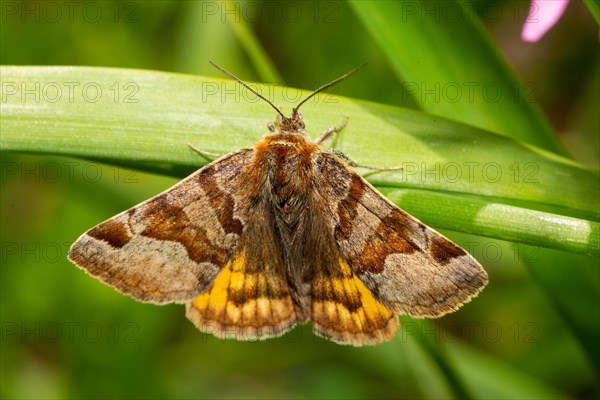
(145, 118)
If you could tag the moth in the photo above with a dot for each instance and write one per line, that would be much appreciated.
(281, 233)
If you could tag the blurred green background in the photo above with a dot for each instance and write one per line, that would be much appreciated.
(532, 333)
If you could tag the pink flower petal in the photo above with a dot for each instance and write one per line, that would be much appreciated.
(543, 14)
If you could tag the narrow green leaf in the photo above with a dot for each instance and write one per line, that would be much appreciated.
(265, 68)
(490, 218)
(496, 186)
(459, 388)
(594, 8)
(488, 378)
(461, 75)
(195, 44)
(573, 295)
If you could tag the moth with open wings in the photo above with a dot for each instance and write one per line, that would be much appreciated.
(284, 232)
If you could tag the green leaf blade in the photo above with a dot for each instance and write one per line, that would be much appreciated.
(487, 94)
(165, 112)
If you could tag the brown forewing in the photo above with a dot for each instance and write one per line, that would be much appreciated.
(409, 267)
(170, 247)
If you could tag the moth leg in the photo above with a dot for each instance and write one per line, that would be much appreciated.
(273, 125)
(205, 153)
(330, 131)
(353, 163)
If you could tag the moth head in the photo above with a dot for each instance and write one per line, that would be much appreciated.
(292, 124)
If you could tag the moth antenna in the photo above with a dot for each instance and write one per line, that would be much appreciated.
(229, 74)
(327, 85)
